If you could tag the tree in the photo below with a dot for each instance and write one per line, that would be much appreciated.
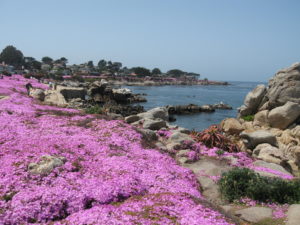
(36, 65)
(47, 60)
(175, 73)
(30, 63)
(90, 64)
(115, 67)
(102, 65)
(64, 60)
(141, 71)
(156, 71)
(12, 56)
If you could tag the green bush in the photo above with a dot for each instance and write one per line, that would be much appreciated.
(97, 109)
(248, 118)
(243, 182)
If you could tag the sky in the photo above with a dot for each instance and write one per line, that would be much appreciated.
(244, 40)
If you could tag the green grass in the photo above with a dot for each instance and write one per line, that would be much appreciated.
(248, 118)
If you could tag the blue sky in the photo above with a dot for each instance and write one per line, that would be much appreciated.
(220, 39)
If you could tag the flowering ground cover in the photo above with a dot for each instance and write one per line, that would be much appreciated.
(106, 177)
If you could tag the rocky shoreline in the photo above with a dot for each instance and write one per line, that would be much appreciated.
(168, 83)
(264, 139)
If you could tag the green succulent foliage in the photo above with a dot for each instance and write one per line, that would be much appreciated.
(97, 109)
(248, 118)
(243, 182)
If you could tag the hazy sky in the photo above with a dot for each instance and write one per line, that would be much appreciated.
(220, 39)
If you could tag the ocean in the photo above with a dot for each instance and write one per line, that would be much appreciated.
(232, 94)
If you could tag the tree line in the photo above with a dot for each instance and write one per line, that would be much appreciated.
(12, 56)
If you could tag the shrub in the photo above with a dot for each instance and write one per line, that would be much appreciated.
(78, 78)
(243, 182)
(97, 109)
(213, 137)
(220, 152)
(248, 118)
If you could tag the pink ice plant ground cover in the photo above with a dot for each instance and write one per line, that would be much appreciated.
(108, 177)
(279, 211)
(242, 159)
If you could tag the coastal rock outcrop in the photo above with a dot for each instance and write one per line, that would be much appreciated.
(284, 87)
(255, 138)
(270, 118)
(283, 116)
(252, 101)
(232, 126)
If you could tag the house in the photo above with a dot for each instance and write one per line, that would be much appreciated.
(6, 68)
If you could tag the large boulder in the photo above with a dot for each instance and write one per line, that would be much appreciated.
(261, 118)
(55, 98)
(231, 126)
(132, 118)
(154, 124)
(293, 215)
(72, 92)
(270, 167)
(46, 165)
(121, 95)
(37, 94)
(254, 214)
(252, 101)
(268, 153)
(283, 116)
(155, 113)
(284, 87)
(251, 140)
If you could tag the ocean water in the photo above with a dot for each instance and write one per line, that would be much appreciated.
(232, 94)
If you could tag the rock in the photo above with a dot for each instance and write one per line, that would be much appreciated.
(124, 110)
(180, 137)
(56, 98)
(37, 94)
(182, 153)
(121, 95)
(132, 119)
(252, 101)
(258, 137)
(204, 170)
(3, 97)
(268, 153)
(296, 132)
(287, 138)
(46, 165)
(72, 92)
(161, 146)
(159, 113)
(231, 126)
(182, 160)
(284, 87)
(272, 166)
(183, 130)
(207, 108)
(293, 215)
(261, 118)
(227, 208)
(248, 126)
(154, 124)
(148, 134)
(254, 214)
(221, 105)
(296, 154)
(115, 116)
(283, 116)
